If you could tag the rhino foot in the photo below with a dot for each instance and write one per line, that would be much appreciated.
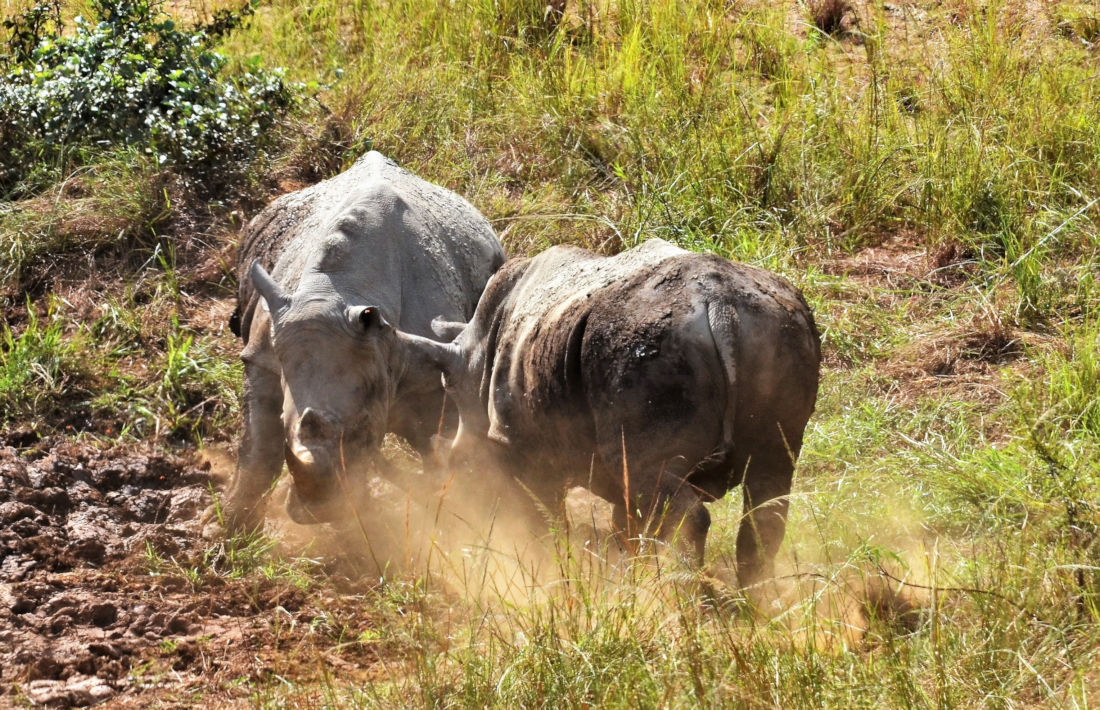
(223, 519)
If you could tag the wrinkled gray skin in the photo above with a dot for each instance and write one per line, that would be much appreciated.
(323, 378)
(703, 371)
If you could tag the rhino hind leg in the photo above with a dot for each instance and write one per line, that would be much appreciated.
(260, 455)
(766, 486)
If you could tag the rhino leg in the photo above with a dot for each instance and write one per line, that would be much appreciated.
(668, 508)
(426, 422)
(260, 456)
(421, 414)
(767, 483)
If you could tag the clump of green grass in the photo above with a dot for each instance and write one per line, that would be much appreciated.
(192, 395)
(197, 388)
(246, 557)
(36, 368)
(122, 375)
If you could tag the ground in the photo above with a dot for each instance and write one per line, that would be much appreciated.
(92, 610)
(113, 594)
(926, 171)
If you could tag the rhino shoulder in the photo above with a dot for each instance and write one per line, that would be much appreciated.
(503, 284)
(375, 162)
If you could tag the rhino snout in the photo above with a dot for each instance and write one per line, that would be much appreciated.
(309, 449)
(314, 493)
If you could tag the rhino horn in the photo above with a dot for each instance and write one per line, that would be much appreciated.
(273, 294)
(445, 357)
(447, 330)
(304, 455)
(312, 425)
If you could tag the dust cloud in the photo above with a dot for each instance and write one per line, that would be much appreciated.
(480, 537)
(483, 538)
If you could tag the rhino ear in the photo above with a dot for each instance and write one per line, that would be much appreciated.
(274, 295)
(371, 320)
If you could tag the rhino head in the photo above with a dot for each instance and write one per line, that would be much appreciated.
(339, 368)
(459, 362)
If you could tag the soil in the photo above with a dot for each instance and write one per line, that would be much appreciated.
(963, 353)
(109, 594)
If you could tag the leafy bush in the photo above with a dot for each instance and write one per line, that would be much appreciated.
(131, 77)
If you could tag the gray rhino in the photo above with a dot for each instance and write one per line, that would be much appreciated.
(660, 379)
(322, 386)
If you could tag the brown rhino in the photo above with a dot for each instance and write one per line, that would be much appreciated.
(658, 378)
(322, 383)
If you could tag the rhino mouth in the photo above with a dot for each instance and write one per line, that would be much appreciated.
(326, 493)
(313, 510)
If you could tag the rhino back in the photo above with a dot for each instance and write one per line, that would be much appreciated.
(538, 392)
(375, 229)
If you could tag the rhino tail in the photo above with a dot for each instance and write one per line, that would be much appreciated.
(723, 323)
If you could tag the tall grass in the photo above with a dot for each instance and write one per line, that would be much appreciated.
(117, 203)
(733, 128)
(705, 123)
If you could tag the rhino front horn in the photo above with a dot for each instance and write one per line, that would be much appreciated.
(273, 293)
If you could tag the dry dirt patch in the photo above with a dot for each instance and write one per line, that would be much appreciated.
(951, 345)
(902, 263)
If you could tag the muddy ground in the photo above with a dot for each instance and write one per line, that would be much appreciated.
(113, 594)
(110, 595)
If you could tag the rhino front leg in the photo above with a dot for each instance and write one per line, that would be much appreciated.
(427, 421)
(260, 456)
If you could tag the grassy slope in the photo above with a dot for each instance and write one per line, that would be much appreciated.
(957, 434)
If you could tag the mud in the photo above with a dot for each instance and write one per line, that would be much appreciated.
(109, 595)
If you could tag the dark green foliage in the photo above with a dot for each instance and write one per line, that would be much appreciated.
(26, 30)
(131, 76)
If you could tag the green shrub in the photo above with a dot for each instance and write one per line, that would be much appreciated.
(130, 76)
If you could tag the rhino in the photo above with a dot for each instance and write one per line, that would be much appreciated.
(660, 379)
(322, 386)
